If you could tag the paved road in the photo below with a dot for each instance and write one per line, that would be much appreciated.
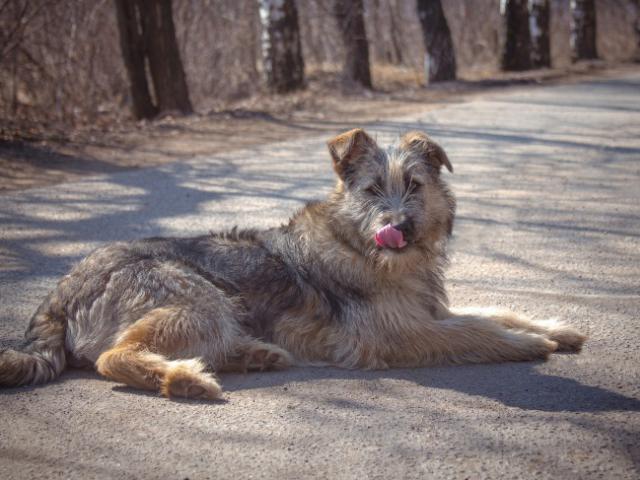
(548, 183)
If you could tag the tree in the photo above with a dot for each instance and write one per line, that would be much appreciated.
(517, 51)
(281, 49)
(385, 22)
(540, 37)
(148, 37)
(133, 54)
(636, 26)
(169, 81)
(395, 32)
(583, 29)
(440, 61)
(349, 15)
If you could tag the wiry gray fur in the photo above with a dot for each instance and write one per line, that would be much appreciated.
(315, 291)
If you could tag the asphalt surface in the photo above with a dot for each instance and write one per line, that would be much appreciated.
(548, 186)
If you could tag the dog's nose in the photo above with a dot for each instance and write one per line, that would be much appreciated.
(405, 227)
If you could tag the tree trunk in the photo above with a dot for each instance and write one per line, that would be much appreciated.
(539, 26)
(349, 15)
(148, 39)
(281, 50)
(159, 33)
(517, 50)
(394, 35)
(440, 60)
(637, 29)
(583, 29)
(133, 54)
(380, 49)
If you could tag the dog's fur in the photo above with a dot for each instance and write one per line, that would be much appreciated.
(158, 313)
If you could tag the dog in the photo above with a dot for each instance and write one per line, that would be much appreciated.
(355, 281)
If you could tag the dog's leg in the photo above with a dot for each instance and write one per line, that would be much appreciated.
(253, 354)
(151, 371)
(568, 338)
(140, 357)
(480, 339)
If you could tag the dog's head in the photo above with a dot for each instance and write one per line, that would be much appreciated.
(391, 203)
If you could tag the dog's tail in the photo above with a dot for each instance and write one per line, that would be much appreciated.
(43, 356)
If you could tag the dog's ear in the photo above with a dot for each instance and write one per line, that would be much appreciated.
(430, 151)
(347, 148)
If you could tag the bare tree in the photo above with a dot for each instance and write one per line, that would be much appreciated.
(386, 46)
(61, 63)
(636, 27)
(440, 61)
(583, 29)
(133, 54)
(147, 34)
(281, 49)
(395, 32)
(349, 16)
(21, 13)
(539, 25)
(517, 50)
(169, 81)
(12, 36)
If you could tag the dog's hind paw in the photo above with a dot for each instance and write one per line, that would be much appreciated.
(186, 379)
(568, 338)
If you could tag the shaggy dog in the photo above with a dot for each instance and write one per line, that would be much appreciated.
(355, 281)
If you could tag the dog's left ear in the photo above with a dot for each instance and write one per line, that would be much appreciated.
(423, 145)
(347, 148)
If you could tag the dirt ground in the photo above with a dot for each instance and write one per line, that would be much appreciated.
(39, 155)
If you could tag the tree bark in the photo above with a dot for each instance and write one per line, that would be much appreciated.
(583, 29)
(281, 50)
(440, 60)
(539, 22)
(151, 57)
(169, 80)
(517, 49)
(349, 15)
(637, 29)
(394, 35)
(133, 54)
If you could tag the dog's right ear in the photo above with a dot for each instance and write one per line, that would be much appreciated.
(347, 148)
(427, 148)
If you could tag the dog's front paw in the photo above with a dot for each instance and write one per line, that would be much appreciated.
(268, 357)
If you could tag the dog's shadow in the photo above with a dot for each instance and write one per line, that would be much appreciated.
(518, 385)
(512, 384)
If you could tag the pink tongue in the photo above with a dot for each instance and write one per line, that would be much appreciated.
(389, 237)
